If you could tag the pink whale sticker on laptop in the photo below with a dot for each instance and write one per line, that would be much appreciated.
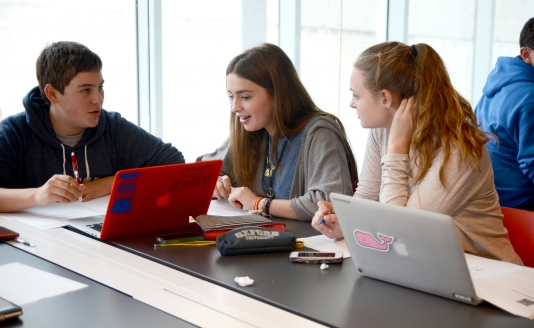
(367, 240)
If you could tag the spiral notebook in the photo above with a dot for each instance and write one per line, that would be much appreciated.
(8, 310)
(216, 222)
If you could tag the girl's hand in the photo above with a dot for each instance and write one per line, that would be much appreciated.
(223, 187)
(400, 134)
(242, 197)
(325, 221)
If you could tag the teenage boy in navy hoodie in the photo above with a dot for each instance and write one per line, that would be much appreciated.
(507, 110)
(64, 115)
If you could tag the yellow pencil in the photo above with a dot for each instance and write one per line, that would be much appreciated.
(188, 243)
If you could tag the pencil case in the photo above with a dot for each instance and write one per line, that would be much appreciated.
(254, 240)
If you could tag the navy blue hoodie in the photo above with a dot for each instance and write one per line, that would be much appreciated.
(30, 152)
(507, 110)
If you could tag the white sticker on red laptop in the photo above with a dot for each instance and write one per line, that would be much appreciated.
(367, 240)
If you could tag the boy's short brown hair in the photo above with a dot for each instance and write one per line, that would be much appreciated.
(61, 61)
(526, 38)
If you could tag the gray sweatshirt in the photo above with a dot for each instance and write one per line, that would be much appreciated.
(325, 164)
(469, 198)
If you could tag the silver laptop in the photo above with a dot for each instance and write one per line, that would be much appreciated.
(407, 247)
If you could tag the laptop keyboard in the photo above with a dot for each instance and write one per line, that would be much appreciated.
(96, 226)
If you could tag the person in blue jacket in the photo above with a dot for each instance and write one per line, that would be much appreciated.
(64, 116)
(506, 109)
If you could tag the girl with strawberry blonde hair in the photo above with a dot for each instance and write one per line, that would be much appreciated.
(425, 150)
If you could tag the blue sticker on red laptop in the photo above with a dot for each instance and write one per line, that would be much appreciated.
(122, 203)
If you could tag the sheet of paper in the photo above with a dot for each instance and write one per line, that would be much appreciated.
(224, 208)
(55, 214)
(22, 284)
(100, 204)
(324, 244)
(506, 285)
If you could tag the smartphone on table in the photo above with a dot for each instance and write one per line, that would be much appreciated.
(6, 233)
(8, 310)
(180, 237)
(316, 257)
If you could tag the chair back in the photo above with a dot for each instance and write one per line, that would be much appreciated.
(520, 226)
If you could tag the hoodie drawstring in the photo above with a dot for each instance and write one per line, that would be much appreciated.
(64, 170)
(87, 164)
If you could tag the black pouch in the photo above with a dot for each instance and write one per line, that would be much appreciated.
(254, 240)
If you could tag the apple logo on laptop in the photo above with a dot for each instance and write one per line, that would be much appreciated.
(400, 248)
(163, 200)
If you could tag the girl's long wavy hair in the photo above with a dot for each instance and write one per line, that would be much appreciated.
(269, 67)
(440, 116)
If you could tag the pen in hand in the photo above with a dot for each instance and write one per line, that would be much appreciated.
(323, 221)
(75, 169)
(27, 243)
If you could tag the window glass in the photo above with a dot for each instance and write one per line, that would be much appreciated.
(448, 27)
(333, 34)
(361, 21)
(320, 43)
(106, 27)
(199, 39)
(510, 16)
(273, 20)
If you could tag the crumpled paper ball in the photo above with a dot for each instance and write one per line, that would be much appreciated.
(244, 281)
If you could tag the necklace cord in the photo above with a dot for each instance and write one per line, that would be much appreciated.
(270, 167)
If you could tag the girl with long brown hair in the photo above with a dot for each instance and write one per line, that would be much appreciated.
(284, 154)
(424, 150)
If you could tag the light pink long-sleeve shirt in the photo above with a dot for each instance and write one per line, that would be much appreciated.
(469, 197)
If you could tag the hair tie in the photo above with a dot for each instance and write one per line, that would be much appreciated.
(414, 50)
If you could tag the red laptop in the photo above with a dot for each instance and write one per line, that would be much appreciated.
(152, 199)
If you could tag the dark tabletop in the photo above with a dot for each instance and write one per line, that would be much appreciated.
(337, 296)
(92, 306)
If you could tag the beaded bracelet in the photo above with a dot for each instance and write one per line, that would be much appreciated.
(267, 206)
(257, 202)
(261, 205)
